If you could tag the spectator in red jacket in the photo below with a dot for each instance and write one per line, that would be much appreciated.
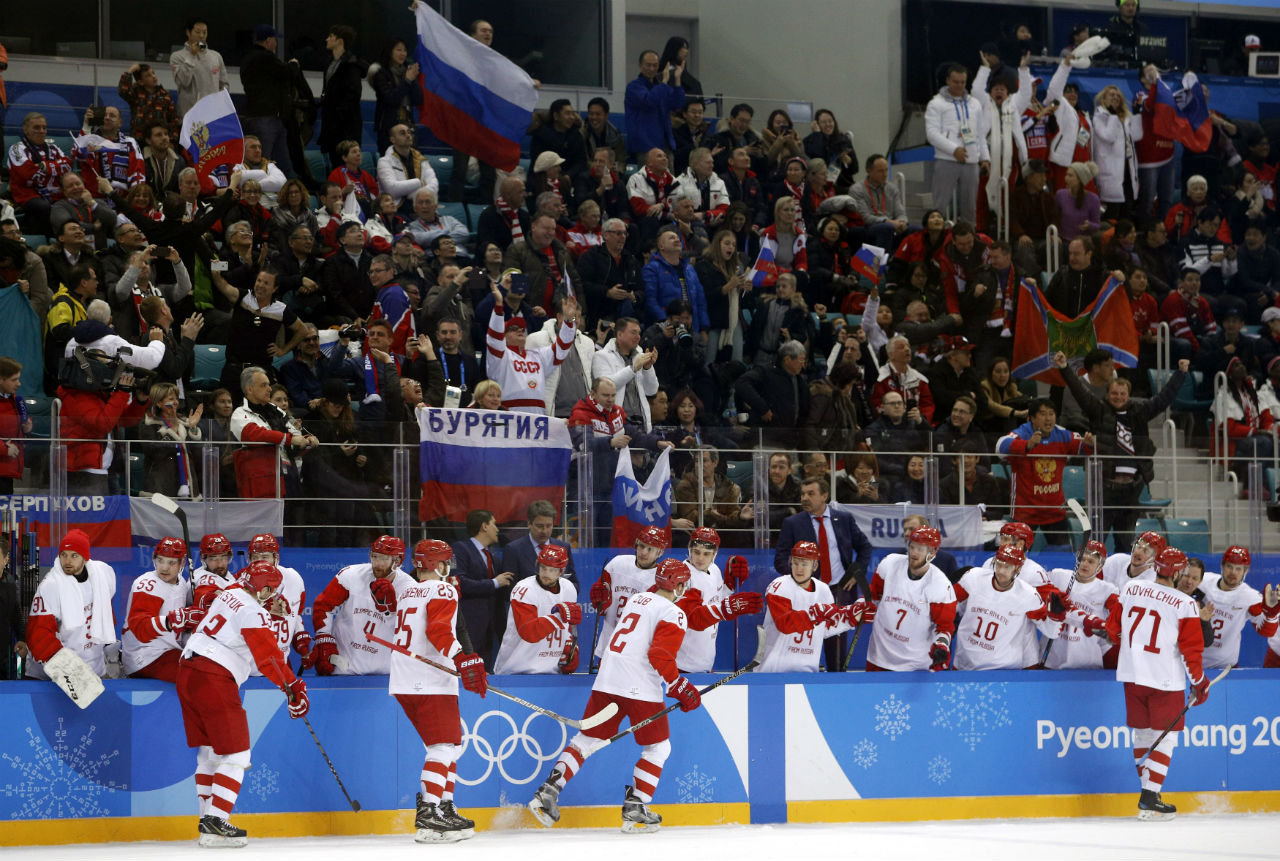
(1038, 452)
(35, 164)
(263, 425)
(14, 424)
(1187, 313)
(88, 419)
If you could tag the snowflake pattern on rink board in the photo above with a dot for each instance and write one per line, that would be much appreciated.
(893, 717)
(59, 781)
(865, 753)
(262, 781)
(972, 711)
(695, 787)
(939, 770)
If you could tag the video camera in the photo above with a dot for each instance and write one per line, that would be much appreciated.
(97, 371)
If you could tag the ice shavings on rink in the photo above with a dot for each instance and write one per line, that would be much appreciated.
(1188, 838)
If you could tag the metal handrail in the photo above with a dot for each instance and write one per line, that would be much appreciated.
(1004, 208)
(1052, 242)
(901, 179)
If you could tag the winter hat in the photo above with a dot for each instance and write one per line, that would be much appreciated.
(1085, 171)
(1272, 313)
(76, 541)
(546, 161)
(1252, 42)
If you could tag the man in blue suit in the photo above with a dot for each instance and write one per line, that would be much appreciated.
(477, 562)
(520, 555)
(844, 552)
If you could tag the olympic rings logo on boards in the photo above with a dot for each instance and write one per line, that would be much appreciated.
(517, 739)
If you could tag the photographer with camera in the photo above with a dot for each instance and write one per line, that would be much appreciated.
(143, 277)
(198, 70)
(95, 333)
(681, 362)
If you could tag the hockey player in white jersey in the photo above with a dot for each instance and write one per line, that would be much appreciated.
(915, 608)
(710, 599)
(289, 630)
(625, 575)
(996, 610)
(541, 635)
(214, 573)
(1161, 645)
(1022, 536)
(521, 373)
(1137, 565)
(360, 598)
(1234, 603)
(1082, 643)
(802, 613)
(159, 615)
(639, 661)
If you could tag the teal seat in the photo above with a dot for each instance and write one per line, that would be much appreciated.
(1189, 536)
(369, 161)
(137, 473)
(443, 166)
(210, 359)
(1145, 501)
(315, 161)
(458, 211)
(1000, 469)
(33, 241)
(1073, 485)
(854, 320)
(741, 473)
(1146, 524)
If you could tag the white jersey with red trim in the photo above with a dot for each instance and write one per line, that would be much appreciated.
(1161, 641)
(346, 610)
(47, 602)
(225, 634)
(698, 651)
(627, 578)
(145, 637)
(650, 631)
(522, 374)
(1231, 609)
(992, 631)
(293, 590)
(910, 614)
(427, 625)
(1075, 651)
(1116, 570)
(535, 638)
(202, 579)
(791, 642)
(1035, 575)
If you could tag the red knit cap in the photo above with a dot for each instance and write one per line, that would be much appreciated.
(76, 541)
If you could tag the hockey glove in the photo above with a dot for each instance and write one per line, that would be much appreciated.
(736, 572)
(384, 594)
(568, 662)
(471, 671)
(1199, 691)
(302, 645)
(1095, 626)
(940, 653)
(821, 614)
(601, 594)
(686, 693)
(741, 604)
(1058, 606)
(322, 655)
(299, 702)
(1271, 602)
(860, 612)
(184, 620)
(570, 613)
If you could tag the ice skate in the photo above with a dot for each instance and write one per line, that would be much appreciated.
(636, 817)
(1152, 809)
(218, 833)
(545, 805)
(464, 826)
(432, 826)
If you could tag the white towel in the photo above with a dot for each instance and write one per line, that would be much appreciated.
(102, 627)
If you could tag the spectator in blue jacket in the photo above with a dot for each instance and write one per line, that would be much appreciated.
(667, 276)
(649, 101)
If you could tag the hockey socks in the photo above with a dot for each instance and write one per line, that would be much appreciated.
(648, 770)
(206, 765)
(1153, 771)
(226, 787)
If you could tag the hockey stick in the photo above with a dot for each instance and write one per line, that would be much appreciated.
(586, 723)
(1086, 535)
(844, 668)
(173, 508)
(1169, 728)
(669, 709)
(355, 805)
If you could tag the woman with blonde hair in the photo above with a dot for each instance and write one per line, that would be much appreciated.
(293, 206)
(487, 396)
(1115, 129)
(721, 271)
(172, 466)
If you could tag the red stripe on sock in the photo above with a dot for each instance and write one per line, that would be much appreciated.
(226, 783)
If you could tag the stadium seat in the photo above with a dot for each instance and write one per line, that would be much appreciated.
(1189, 536)
(1146, 503)
(315, 161)
(1073, 484)
(458, 211)
(208, 370)
(33, 241)
(137, 473)
(741, 472)
(1146, 524)
(443, 166)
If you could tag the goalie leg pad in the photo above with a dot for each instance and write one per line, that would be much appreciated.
(69, 671)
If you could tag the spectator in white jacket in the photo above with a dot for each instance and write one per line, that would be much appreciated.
(956, 126)
(1005, 141)
(402, 170)
(701, 185)
(631, 370)
(1115, 129)
(258, 168)
(1074, 140)
(569, 381)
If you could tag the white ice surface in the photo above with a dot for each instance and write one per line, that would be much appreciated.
(1222, 838)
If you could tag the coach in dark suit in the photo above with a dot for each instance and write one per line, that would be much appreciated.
(477, 563)
(521, 554)
(847, 555)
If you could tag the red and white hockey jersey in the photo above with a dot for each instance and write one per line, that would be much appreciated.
(627, 579)
(119, 162)
(1160, 637)
(241, 636)
(207, 584)
(698, 651)
(1231, 609)
(910, 614)
(535, 638)
(1035, 575)
(641, 652)
(35, 174)
(994, 625)
(427, 625)
(1075, 651)
(145, 637)
(522, 374)
(346, 610)
(1116, 570)
(53, 623)
(791, 642)
(295, 592)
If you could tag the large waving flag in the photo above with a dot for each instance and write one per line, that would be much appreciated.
(1182, 115)
(1041, 331)
(638, 506)
(869, 261)
(473, 98)
(491, 459)
(211, 134)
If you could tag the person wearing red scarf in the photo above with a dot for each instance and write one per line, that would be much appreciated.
(650, 191)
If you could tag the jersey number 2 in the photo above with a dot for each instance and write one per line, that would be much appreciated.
(1155, 628)
(628, 624)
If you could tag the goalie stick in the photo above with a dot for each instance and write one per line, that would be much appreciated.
(1222, 675)
(586, 723)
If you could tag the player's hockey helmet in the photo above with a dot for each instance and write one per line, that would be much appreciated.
(805, 550)
(1021, 531)
(1171, 563)
(170, 548)
(388, 545)
(706, 537)
(1236, 555)
(430, 552)
(261, 579)
(1096, 548)
(1154, 540)
(1013, 555)
(654, 537)
(264, 543)
(215, 545)
(553, 556)
(926, 535)
(671, 573)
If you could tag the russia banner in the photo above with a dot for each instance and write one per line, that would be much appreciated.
(105, 519)
(490, 459)
(211, 134)
(1182, 115)
(869, 262)
(1042, 331)
(637, 506)
(473, 98)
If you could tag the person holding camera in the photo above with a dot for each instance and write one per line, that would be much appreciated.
(681, 362)
(650, 99)
(261, 427)
(610, 274)
(780, 142)
(136, 282)
(94, 333)
(198, 70)
(899, 430)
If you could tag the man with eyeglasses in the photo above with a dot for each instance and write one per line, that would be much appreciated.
(610, 274)
(429, 223)
(391, 303)
(304, 375)
(299, 282)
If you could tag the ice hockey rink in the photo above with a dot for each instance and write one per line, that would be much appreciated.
(1223, 838)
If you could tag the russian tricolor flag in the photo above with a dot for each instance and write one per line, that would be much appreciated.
(638, 506)
(1182, 115)
(473, 98)
(104, 518)
(869, 262)
(490, 459)
(211, 134)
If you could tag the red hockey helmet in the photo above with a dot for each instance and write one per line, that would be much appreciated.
(1096, 548)
(430, 552)
(1171, 563)
(553, 556)
(214, 545)
(261, 579)
(1154, 540)
(926, 535)
(705, 535)
(264, 543)
(1021, 531)
(1013, 555)
(654, 537)
(671, 573)
(388, 545)
(170, 548)
(805, 550)
(1236, 555)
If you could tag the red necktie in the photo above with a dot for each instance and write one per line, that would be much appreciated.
(824, 561)
(488, 558)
